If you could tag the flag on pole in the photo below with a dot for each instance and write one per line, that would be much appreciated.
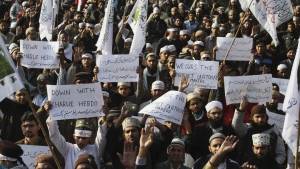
(291, 107)
(9, 78)
(137, 20)
(270, 13)
(47, 19)
(105, 39)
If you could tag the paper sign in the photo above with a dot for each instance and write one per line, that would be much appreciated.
(276, 119)
(256, 88)
(203, 74)
(10, 81)
(240, 51)
(31, 152)
(282, 83)
(75, 101)
(117, 68)
(169, 107)
(39, 54)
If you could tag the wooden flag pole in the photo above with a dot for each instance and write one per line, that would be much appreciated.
(44, 133)
(236, 33)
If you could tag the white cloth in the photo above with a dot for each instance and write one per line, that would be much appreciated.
(39, 100)
(71, 151)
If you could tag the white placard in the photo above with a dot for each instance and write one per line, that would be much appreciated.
(276, 119)
(75, 101)
(39, 54)
(282, 83)
(240, 51)
(31, 152)
(117, 68)
(202, 74)
(256, 88)
(169, 107)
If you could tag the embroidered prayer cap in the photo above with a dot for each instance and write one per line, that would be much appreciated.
(191, 96)
(149, 45)
(86, 159)
(10, 151)
(127, 84)
(156, 10)
(46, 159)
(158, 85)
(131, 122)
(216, 135)
(213, 104)
(261, 139)
(83, 124)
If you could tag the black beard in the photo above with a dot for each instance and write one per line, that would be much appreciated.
(215, 124)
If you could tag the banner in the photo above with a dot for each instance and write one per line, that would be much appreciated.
(39, 54)
(75, 101)
(117, 68)
(47, 19)
(282, 83)
(256, 88)
(203, 74)
(9, 78)
(270, 14)
(31, 152)
(105, 39)
(240, 51)
(137, 19)
(275, 119)
(169, 107)
(291, 107)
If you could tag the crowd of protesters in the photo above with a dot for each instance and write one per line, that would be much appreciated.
(212, 135)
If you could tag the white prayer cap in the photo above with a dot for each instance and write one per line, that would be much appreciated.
(158, 85)
(202, 3)
(213, 104)
(216, 135)
(184, 32)
(282, 66)
(89, 25)
(13, 25)
(198, 42)
(261, 139)
(124, 84)
(215, 25)
(149, 45)
(172, 29)
(191, 96)
(232, 1)
(105, 93)
(177, 141)
(164, 49)
(12, 47)
(172, 48)
(25, 3)
(81, 25)
(156, 10)
(131, 122)
(87, 55)
(128, 40)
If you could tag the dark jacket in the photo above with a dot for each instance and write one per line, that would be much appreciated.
(230, 164)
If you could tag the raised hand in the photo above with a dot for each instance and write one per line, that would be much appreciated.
(146, 138)
(129, 155)
(243, 104)
(228, 145)
(184, 83)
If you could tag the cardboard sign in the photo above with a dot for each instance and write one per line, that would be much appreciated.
(31, 152)
(75, 101)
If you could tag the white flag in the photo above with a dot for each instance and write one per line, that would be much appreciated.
(104, 42)
(47, 18)
(137, 20)
(291, 107)
(270, 13)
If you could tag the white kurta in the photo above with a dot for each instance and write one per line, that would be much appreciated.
(72, 151)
